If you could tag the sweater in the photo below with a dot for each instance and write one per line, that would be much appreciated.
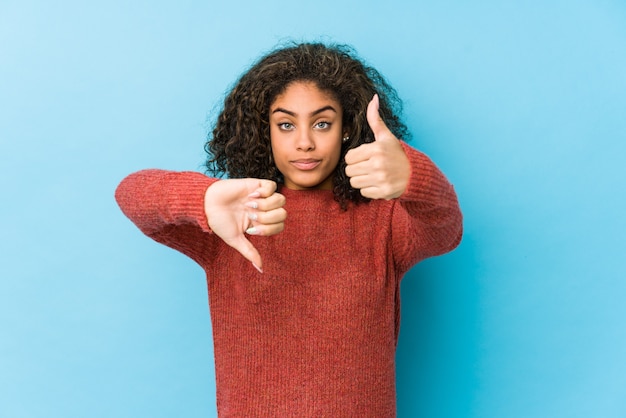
(315, 335)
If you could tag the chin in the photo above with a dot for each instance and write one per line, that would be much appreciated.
(307, 184)
(321, 184)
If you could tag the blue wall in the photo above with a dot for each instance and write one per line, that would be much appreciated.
(521, 105)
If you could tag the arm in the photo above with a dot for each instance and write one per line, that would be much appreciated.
(185, 210)
(168, 207)
(427, 219)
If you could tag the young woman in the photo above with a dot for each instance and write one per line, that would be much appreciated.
(329, 207)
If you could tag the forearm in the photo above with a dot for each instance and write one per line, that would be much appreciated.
(429, 212)
(154, 199)
(427, 186)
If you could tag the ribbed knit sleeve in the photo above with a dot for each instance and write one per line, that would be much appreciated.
(168, 207)
(427, 221)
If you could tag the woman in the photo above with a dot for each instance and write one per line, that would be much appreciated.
(330, 208)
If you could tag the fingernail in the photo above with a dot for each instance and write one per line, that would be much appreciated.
(253, 205)
(252, 231)
(252, 216)
(258, 268)
(255, 194)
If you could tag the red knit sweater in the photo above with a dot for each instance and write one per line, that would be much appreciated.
(315, 334)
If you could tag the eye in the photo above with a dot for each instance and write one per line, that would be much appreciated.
(285, 126)
(322, 125)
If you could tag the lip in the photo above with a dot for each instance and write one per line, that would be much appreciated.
(306, 164)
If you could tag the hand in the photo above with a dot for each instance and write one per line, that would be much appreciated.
(379, 169)
(235, 206)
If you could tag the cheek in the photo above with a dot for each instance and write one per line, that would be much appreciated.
(335, 149)
(337, 156)
(274, 145)
(277, 154)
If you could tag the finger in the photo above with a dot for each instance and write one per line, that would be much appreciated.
(371, 192)
(358, 169)
(378, 192)
(246, 249)
(266, 229)
(361, 153)
(362, 182)
(374, 120)
(274, 201)
(264, 188)
(267, 218)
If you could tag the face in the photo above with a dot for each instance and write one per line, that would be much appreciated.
(306, 133)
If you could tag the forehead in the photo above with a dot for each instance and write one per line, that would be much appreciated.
(305, 95)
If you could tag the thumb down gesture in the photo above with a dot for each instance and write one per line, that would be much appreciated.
(236, 207)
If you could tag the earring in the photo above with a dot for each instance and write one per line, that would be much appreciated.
(345, 139)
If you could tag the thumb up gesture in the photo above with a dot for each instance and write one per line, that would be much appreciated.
(379, 169)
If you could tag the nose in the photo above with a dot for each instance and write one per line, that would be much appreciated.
(304, 141)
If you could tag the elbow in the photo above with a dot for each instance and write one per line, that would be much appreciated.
(457, 235)
(449, 234)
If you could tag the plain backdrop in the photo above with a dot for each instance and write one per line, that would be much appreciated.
(522, 104)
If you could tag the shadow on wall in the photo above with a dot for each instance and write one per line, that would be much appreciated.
(439, 336)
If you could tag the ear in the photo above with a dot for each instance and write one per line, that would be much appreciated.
(346, 131)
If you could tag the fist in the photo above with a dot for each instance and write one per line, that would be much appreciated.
(237, 206)
(380, 169)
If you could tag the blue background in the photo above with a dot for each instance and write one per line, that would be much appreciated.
(522, 104)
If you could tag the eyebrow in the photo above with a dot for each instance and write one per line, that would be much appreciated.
(315, 112)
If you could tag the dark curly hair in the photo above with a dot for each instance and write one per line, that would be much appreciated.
(240, 147)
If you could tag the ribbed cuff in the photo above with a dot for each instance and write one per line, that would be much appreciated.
(427, 184)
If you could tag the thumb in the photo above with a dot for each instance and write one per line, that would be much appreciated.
(245, 248)
(266, 187)
(374, 120)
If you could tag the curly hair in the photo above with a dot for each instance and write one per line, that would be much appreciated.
(240, 146)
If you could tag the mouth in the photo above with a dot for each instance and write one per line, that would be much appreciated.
(305, 164)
